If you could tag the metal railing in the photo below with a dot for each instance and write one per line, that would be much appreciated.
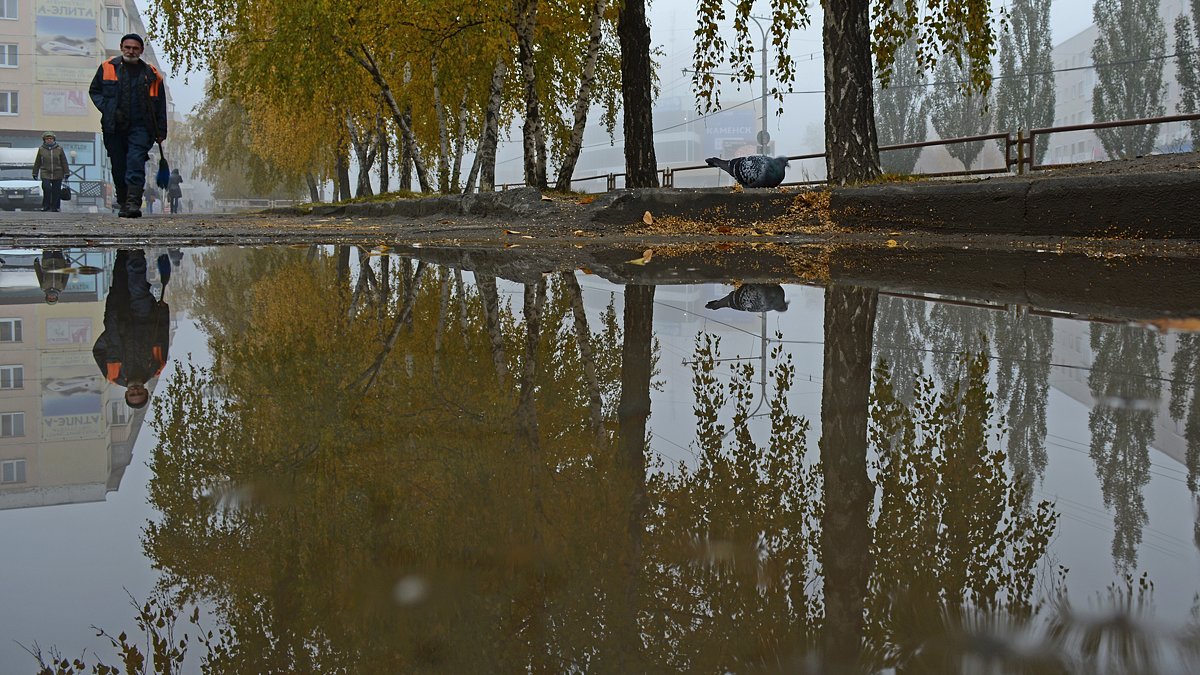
(1026, 156)
(1020, 144)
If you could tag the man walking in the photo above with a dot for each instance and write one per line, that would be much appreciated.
(132, 100)
(50, 166)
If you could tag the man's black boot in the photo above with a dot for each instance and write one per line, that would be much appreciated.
(122, 201)
(133, 205)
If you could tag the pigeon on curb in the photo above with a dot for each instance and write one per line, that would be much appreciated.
(753, 298)
(753, 171)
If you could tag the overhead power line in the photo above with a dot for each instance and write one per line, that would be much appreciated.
(1090, 66)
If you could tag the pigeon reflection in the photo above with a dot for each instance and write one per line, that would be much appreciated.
(753, 298)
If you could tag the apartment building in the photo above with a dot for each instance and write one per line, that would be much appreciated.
(1076, 80)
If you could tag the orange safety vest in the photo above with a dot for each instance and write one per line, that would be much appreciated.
(110, 74)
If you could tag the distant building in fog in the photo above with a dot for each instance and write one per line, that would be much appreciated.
(1073, 94)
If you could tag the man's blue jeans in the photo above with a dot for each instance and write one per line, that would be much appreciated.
(129, 152)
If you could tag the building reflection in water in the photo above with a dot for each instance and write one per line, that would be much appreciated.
(66, 434)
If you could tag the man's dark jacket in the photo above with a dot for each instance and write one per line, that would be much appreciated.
(130, 348)
(124, 96)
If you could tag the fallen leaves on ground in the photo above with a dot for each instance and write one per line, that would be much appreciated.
(646, 256)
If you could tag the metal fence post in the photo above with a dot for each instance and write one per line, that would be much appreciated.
(612, 182)
(1020, 151)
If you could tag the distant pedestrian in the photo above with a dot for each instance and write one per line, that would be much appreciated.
(175, 190)
(151, 197)
(51, 166)
(132, 100)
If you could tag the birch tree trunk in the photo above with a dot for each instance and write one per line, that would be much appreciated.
(443, 130)
(531, 131)
(364, 151)
(583, 101)
(363, 56)
(314, 193)
(384, 144)
(486, 157)
(460, 144)
(406, 162)
(341, 165)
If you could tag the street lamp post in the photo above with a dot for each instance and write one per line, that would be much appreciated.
(764, 137)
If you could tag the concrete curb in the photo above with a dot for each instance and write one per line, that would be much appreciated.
(708, 205)
(516, 203)
(1150, 206)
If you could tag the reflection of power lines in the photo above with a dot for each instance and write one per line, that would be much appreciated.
(1076, 447)
(1084, 514)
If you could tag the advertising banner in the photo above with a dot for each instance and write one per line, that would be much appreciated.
(72, 407)
(70, 103)
(68, 50)
(728, 133)
(70, 331)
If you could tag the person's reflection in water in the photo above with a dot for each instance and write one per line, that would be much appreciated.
(753, 298)
(137, 331)
(49, 269)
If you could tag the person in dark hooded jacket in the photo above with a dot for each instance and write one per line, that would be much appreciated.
(132, 350)
(50, 165)
(132, 100)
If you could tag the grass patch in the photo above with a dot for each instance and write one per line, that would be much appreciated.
(887, 178)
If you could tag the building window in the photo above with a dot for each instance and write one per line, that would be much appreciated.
(114, 19)
(8, 55)
(10, 330)
(12, 377)
(118, 413)
(8, 101)
(12, 424)
(8, 9)
(12, 471)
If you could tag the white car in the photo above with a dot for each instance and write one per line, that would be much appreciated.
(18, 190)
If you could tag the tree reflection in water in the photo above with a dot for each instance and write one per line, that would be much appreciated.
(488, 503)
(1126, 386)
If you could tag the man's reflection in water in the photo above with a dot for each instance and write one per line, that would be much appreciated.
(137, 329)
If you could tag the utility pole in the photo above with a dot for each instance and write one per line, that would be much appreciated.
(764, 137)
